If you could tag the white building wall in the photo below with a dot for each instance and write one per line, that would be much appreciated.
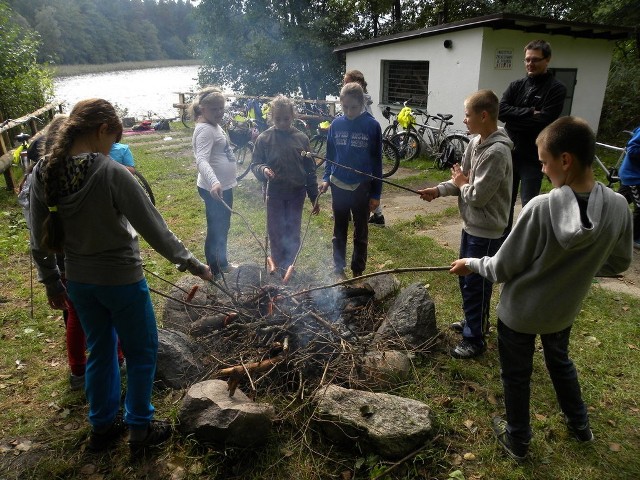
(452, 72)
(471, 64)
(590, 57)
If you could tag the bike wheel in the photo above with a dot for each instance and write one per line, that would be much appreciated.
(319, 147)
(390, 131)
(145, 185)
(390, 158)
(243, 160)
(458, 144)
(408, 145)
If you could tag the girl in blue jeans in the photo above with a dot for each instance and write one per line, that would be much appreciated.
(84, 203)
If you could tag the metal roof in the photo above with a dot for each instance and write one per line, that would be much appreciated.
(503, 21)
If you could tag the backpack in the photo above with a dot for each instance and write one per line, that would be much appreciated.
(162, 125)
(447, 158)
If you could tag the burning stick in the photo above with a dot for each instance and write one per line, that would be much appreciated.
(315, 155)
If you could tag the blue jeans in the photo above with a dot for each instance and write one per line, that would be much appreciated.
(527, 177)
(355, 202)
(516, 364)
(109, 312)
(218, 224)
(284, 219)
(475, 289)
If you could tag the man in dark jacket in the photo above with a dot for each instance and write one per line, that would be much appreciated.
(527, 107)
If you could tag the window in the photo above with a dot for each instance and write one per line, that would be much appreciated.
(568, 77)
(405, 81)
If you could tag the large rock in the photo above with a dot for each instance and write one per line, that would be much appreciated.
(411, 317)
(178, 363)
(386, 369)
(388, 425)
(212, 416)
(382, 285)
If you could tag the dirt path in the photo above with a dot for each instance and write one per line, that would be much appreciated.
(398, 206)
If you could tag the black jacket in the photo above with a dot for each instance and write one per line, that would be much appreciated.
(542, 93)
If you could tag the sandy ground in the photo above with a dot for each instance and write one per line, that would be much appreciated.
(398, 205)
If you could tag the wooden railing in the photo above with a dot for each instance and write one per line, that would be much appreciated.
(33, 122)
(185, 98)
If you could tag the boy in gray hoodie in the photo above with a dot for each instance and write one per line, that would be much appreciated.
(560, 242)
(483, 187)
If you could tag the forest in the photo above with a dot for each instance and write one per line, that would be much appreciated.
(99, 31)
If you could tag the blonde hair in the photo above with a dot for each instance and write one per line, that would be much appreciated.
(282, 103)
(483, 101)
(353, 90)
(207, 96)
(86, 117)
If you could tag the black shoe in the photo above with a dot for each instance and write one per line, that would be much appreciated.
(458, 327)
(339, 275)
(105, 438)
(517, 451)
(582, 433)
(356, 274)
(468, 349)
(157, 433)
(377, 219)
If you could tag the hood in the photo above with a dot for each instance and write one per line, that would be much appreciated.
(565, 216)
(499, 136)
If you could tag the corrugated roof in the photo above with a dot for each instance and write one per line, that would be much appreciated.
(503, 21)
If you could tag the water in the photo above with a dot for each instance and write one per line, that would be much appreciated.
(151, 90)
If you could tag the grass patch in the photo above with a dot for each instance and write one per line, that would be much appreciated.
(35, 402)
(70, 70)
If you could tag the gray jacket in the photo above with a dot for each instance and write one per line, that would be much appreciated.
(100, 247)
(549, 259)
(485, 201)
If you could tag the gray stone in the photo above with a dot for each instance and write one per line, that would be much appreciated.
(178, 363)
(388, 425)
(211, 416)
(412, 317)
(387, 369)
(383, 285)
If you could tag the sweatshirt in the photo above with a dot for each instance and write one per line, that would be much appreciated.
(99, 246)
(549, 259)
(281, 151)
(630, 168)
(357, 144)
(485, 201)
(215, 159)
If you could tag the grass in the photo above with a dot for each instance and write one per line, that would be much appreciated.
(35, 402)
(70, 70)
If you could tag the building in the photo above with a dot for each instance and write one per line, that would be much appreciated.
(438, 67)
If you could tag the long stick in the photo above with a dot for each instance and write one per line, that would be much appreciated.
(373, 274)
(311, 155)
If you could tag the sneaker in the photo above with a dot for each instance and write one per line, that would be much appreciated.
(636, 245)
(357, 274)
(339, 275)
(582, 433)
(104, 438)
(156, 434)
(458, 327)
(517, 451)
(76, 382)
(217, 277)
(377, 219)
(467, 349)
(228, 268)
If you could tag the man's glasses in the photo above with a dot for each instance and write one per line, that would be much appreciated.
(533, 60)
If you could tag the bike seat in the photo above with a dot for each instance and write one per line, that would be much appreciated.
(445, 116)
(23, 137)
(448, 123)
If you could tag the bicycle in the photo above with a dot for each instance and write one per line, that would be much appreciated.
(394, 126)
(242, 132)
(611, 174)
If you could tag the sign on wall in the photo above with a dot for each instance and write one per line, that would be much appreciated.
(504, 59)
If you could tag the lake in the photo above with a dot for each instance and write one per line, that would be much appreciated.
(149, 91)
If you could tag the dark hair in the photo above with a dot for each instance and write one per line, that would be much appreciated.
(571, 135)
(86, 117)
(50, 134)
(484, 101)
(206, 96)
(541, 45)
(356, 76)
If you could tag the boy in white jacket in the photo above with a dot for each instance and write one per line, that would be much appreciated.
(560, 242)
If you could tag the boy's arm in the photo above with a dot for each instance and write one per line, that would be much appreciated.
(489, 174)
(620, 258)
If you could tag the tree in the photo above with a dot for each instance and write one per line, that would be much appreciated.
(24, 85)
